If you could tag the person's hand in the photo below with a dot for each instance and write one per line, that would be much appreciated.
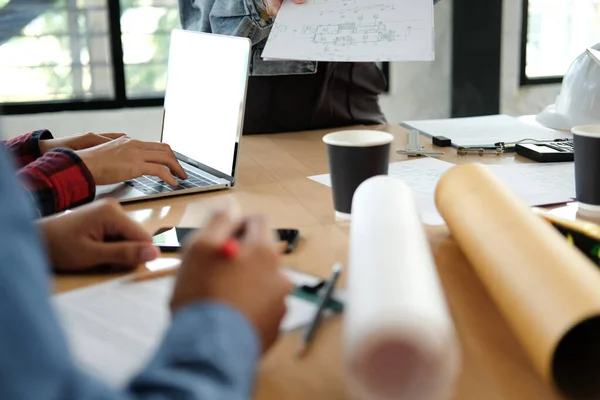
(78, 142)
(252, 282)
(273, 6)
(96, 235)
(124, 158)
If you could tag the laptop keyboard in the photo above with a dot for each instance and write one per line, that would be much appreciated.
(153, 185)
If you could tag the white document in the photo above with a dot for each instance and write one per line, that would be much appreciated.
(535, 184)
(113, 328)
(539, 184)
(484, 131)
(353, 30)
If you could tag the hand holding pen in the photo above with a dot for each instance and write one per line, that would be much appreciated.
(236, 262)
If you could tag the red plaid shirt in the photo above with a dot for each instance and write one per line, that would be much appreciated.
(58, 180)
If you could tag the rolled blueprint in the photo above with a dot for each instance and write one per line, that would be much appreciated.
(399, 338)
(548, 291)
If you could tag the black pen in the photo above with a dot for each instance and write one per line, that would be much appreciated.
(327, 293)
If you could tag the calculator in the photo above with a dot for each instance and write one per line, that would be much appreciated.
(561, 150)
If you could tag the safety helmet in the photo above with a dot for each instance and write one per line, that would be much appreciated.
(579, 100)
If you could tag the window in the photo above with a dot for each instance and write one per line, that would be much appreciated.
(63, 53)
(555, 32)
(60, 55)
(145, 36)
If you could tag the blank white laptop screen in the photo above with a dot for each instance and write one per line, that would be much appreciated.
(205, 97)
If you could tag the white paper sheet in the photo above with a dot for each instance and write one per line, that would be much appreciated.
(114, 328)
(539, 184)
(353, 30)
(399, 338)
(163, 263)
(484, 131)
(536, 184)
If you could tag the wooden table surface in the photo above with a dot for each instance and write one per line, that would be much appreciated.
(272, 179)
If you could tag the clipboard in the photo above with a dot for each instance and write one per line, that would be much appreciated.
(486, 135)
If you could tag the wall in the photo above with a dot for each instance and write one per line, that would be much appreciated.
(418, 90)
(516, 100)
(421, 90)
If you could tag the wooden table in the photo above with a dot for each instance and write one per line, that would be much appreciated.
(272, 180)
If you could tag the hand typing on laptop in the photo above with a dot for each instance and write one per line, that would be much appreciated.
(114, 157)
(124, 158)
(63, 173)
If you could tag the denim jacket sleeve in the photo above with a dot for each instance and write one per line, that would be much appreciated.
(246, 18)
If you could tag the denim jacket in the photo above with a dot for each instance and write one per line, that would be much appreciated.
(246, 18)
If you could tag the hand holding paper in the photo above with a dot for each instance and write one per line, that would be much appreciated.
(273, 6)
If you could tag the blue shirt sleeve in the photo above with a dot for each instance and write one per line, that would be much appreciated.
(209, 352)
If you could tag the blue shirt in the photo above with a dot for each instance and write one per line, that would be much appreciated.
(209, 352)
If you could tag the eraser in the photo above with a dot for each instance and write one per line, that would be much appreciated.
(441, 141)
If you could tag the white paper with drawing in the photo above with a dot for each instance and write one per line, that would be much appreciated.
(535, 184)
(353, 30)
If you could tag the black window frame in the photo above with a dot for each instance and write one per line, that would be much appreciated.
(524, 79)
(120, 100)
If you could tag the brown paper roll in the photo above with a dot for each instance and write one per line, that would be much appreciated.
(548, 291)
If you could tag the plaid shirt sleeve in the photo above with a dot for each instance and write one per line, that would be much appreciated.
(58, 180)
(26, 148)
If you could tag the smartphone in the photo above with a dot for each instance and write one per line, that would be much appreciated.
(171, 239)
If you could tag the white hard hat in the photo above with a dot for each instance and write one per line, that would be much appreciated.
(579, 100)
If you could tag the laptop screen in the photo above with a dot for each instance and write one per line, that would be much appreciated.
(205, 97)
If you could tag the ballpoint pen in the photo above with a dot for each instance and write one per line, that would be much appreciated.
(327, 293)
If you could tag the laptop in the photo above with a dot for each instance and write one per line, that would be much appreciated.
(203, 115)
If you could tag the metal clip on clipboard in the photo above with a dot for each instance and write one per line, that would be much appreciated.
(414, 148)
(482, 151)
(500, 147)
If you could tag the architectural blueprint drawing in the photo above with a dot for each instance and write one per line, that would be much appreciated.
(353, 30)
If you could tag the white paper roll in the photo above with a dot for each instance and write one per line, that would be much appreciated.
(399, 338)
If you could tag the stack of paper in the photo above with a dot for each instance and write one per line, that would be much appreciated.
(353, 30)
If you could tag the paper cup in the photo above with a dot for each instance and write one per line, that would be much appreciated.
(587, 168)
(355, 156)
